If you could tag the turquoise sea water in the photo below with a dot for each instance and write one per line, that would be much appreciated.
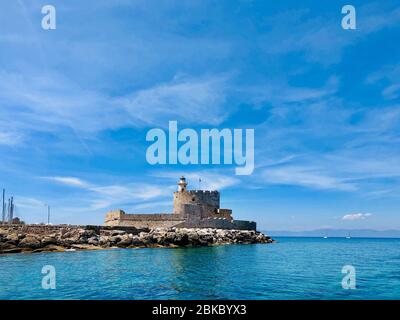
(293, 268)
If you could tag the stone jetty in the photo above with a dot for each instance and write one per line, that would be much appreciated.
(39, 238)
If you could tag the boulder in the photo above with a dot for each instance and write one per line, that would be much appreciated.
(117, 232)
(31, 242)
(49, 240)
(104, 241)
(136, 241)
(6, 246)
(115, 239)
(181, 239)
(125, 241)
(93, 241)
(12, 238)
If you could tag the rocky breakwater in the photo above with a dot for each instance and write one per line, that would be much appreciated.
(34, 238)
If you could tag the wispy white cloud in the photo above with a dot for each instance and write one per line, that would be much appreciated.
(10, 138)
(353, 169)
(130, 192)
(321, 37)
(390, 75)
(99, 196)
(333, 143)
(69, 181)
(27, 202)
(280, 94)
(306, 177)
(192, 101)
(391, 92)
(356, 216)
(155, 205)
(51, 103)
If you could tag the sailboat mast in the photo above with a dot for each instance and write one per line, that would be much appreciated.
(3, 208)
(12, 210)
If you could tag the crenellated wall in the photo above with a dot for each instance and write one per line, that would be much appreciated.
(209, 201)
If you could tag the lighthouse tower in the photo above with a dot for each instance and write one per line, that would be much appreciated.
(195, 203)
(182, 184)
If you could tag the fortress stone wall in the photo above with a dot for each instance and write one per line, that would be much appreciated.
(221, 223)
(155, 220)
(192, 209)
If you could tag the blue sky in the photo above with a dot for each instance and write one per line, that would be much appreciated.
(76, 104)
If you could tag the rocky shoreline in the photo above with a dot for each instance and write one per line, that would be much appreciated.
(40, 238)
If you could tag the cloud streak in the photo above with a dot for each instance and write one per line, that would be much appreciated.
(192, 101)
(356, 216)
(109, 196)
(321, 37)
(52, 104)
(69, 181)
(305, 177)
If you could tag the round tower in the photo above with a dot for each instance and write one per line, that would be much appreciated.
(195, 202)
(182, 184)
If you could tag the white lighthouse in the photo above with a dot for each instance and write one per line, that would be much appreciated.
(182, 184)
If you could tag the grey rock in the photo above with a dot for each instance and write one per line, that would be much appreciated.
(30, 242)
(43, 238)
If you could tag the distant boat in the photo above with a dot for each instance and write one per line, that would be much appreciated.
(348, 236)
(325, 237)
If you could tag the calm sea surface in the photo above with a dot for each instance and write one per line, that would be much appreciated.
(293, 268)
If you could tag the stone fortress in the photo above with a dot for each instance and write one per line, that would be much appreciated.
(192, 209)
